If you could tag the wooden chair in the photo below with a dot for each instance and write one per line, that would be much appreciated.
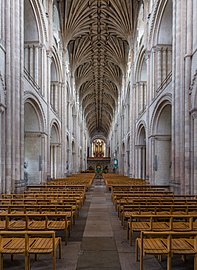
(168, 244)
(27, 243)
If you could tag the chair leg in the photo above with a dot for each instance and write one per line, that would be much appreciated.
(195, 262)
(60, 248)
(66, 236)
(183, 257)
(169, 260)
(54, 261)
(1, 261)
(141, 260)
(136, 250)
(160, 258)
(130, 237)
(27, 262)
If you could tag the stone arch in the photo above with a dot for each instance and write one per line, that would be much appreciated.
(141, 82)
(156, 127)
(161, 22)
(160, 46)
(56, 67)
(161, 133)
(56, 79)
(165, 27)
(98, 137)
(31, 25)
(140, 150)
(34, 154)
(37, 114)
(55, 133)
(33, 17)
(55, 149)
(56, 24)
(141, 131)
(35, 35)
(162, 102)
(140, 25)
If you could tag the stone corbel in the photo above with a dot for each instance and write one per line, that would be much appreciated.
(193, 113)
(49, 53)
(2, 108)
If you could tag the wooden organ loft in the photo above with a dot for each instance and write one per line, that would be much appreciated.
(99, 157)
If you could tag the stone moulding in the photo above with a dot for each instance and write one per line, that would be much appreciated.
(194, 80)
(193, 92)
(152, 20)
(2, 91)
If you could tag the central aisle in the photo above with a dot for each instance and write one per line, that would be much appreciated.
(98, 247)
(98, 241)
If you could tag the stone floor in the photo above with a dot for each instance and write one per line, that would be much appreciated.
(97, 242)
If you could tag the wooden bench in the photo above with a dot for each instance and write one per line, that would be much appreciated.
(168, 244)
(27, 243)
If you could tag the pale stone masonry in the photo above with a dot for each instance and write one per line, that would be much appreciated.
(122, 71)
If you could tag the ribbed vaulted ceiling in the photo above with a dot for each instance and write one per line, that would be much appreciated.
(98, 34)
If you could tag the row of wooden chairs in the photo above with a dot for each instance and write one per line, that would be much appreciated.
(45, 221)
(41, 210)
(112, 180)
(161, 222)
(129, 210)
(167, 222)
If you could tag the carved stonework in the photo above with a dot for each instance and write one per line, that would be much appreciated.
(2, 108)
(2, 90)
(2, 81)
(193, 82)
(194, 114)
(156, 4)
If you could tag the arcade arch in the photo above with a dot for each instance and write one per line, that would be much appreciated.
(34, 142)
(141, 152)
(161, 144)
(55, 150)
